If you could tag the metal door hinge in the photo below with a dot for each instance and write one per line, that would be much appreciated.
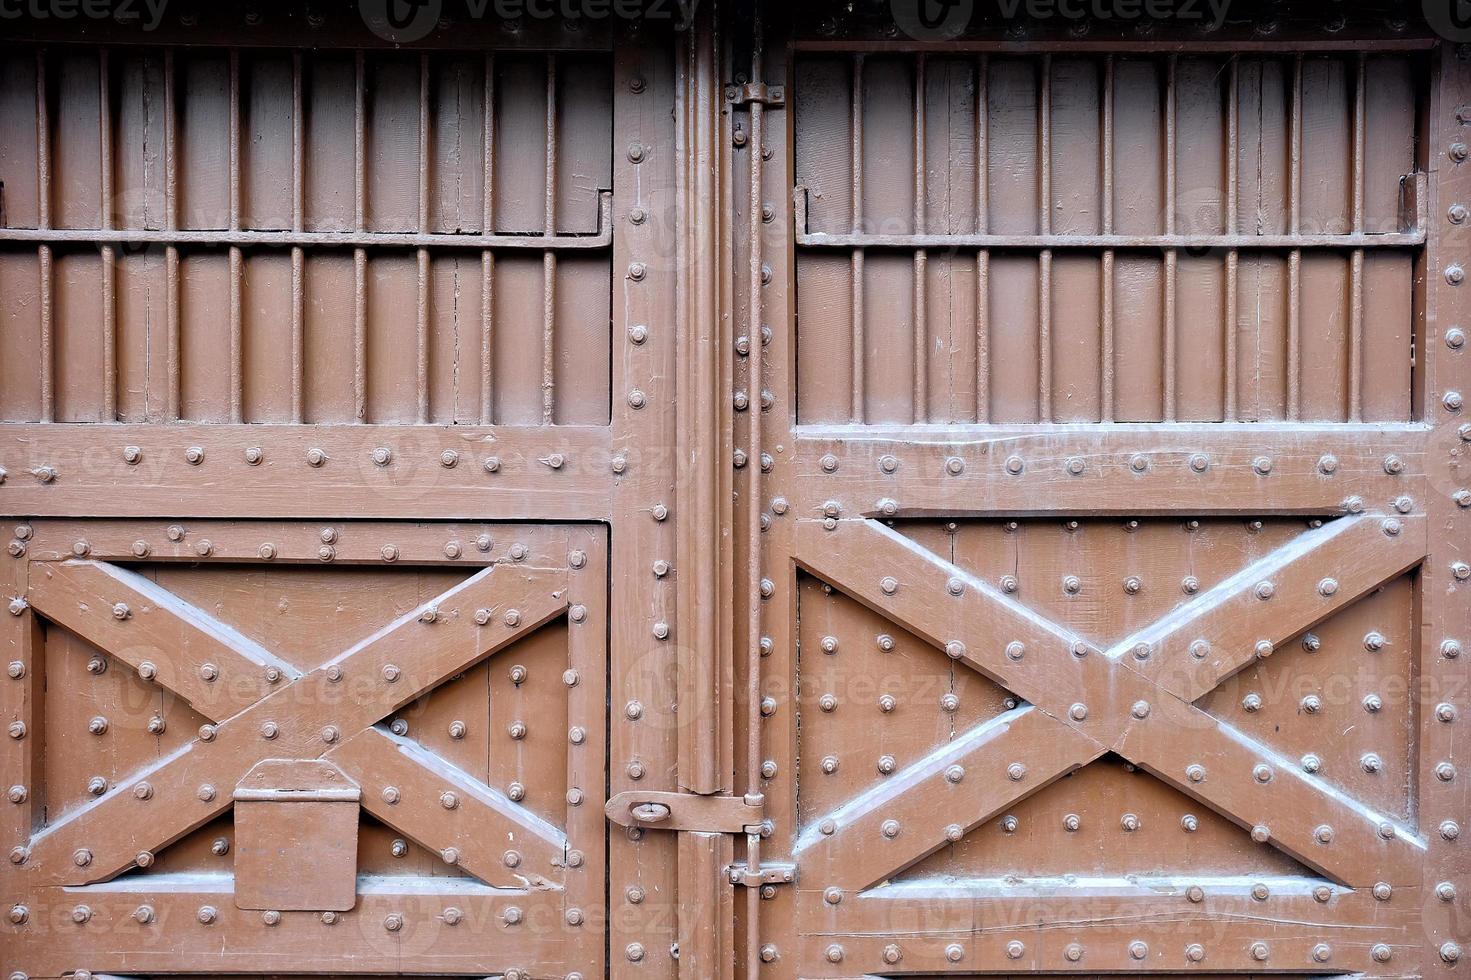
(767, 874)
(768, 95)
(687, 811)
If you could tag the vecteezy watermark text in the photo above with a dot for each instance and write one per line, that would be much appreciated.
(147, 13)
(943, 20)
(406, 21)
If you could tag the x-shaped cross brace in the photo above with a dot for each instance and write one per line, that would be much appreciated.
(1134, 699)
(259, 707)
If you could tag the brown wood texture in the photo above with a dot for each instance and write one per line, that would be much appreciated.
(1004, 494)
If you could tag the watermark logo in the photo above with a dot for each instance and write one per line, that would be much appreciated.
(1451, 19)
(406, 21)
(400, 21)
(146, 13)
(932, 20)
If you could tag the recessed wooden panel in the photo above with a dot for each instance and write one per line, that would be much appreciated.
(1180, 188)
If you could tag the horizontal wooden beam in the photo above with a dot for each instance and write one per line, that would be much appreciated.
(337, 542)
(245, 238)
(445, 926)
(1128, 470)
(1089, 926)
(547, 473)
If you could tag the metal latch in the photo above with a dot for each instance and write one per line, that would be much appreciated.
(771, 95)
(687, 811)
(767, 874)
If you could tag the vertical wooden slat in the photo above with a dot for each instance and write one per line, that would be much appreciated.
(298, 257)
(1044, 260)
(1356, 264)
(921, 326)
(983, 256)
(1233, 206)
(855, 110)
(487, 257)
(47, 344)
(109, 255)
(1171, 327)
(171, 222)
(1105, 279)
(1294, 257)
(43, 252)
(549, 258)
(237, 338)
(359, 255)
(421, 301)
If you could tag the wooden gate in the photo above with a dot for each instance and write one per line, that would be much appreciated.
(812, 492)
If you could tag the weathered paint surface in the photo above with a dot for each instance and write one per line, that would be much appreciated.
(786, 497)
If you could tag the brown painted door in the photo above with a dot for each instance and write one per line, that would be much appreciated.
(572, 497)
(1112, 514)
(320, 394)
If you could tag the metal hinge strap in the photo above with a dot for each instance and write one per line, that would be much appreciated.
(768, 95)
(687, 811)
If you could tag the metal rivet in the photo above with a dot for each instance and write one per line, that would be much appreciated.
(1259, 951)
(1072, 952)
(1199, 462)
(1129, 822)
(194, 455)
(1015, 949)
(1138, 950)
(954, 465)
